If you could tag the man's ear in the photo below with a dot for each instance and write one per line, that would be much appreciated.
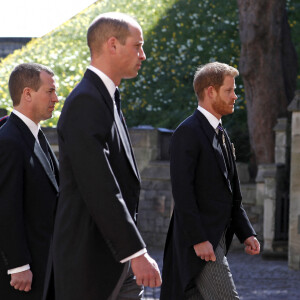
(112, 44)
(26, 95)
(211, 91)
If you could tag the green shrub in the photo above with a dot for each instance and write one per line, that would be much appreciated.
(179, 36)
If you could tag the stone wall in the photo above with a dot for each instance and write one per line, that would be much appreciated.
(156, 202)
(272, 192)
(260, 199)
(294, 216)
(51, 135)
(9, 45)
(253, 208)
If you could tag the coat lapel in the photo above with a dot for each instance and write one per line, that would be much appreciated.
(229, 146)
(55, 162)
(129, 141)
(213, 140)
(235, 177)
(122, 130)
(125, 140)
(36, 149)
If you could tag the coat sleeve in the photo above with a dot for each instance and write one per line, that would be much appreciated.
(240, 221)
(241, 224)
(13, 244)
(184, 153)
(87, 148)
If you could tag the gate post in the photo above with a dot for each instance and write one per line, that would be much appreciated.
(294, 217)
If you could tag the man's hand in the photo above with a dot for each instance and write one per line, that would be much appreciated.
(205, 251)
(252, 245)
(22, 281)
(146, 271)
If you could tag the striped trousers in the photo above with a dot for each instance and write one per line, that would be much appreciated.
(215, 280)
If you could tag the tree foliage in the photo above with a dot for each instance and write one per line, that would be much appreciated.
(179, 36)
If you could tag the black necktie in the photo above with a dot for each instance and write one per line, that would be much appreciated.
(43, 144)
(221, 138)
(118, 101)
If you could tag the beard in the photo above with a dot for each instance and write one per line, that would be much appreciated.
(221, 107)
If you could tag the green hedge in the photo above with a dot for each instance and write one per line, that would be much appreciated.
(179, 35)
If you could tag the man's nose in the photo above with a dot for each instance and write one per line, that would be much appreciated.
(142, 54)
(55, 98)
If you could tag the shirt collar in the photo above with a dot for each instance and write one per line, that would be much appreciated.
(213, 121)
(109, 84)
(34, 128)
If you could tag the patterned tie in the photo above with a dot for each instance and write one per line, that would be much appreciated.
(221, 138)
(118, 101)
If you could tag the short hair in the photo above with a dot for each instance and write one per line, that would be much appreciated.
(25, 75)
(106, 26)
(212, 74)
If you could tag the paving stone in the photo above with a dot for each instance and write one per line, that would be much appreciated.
(254, 277)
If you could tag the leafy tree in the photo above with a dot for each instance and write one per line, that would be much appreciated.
(179, 36)
(269, 68)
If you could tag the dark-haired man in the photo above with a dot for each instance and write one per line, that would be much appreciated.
(205, 185)
(28, 184)
(98, 252)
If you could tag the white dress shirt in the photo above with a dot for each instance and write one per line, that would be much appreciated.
(111, 87)
(213, 121)
(34, 128)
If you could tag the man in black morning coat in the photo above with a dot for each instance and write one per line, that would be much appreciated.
(207, 196)
(95, 234)
(28, 184)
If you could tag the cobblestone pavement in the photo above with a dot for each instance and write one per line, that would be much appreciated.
(254, 277)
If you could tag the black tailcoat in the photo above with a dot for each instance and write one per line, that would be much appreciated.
(207, 201)
(28, 197)
(99, 193)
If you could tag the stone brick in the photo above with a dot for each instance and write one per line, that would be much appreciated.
(156, 170)
(243, 171)
(156, 200)
(249, 193)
